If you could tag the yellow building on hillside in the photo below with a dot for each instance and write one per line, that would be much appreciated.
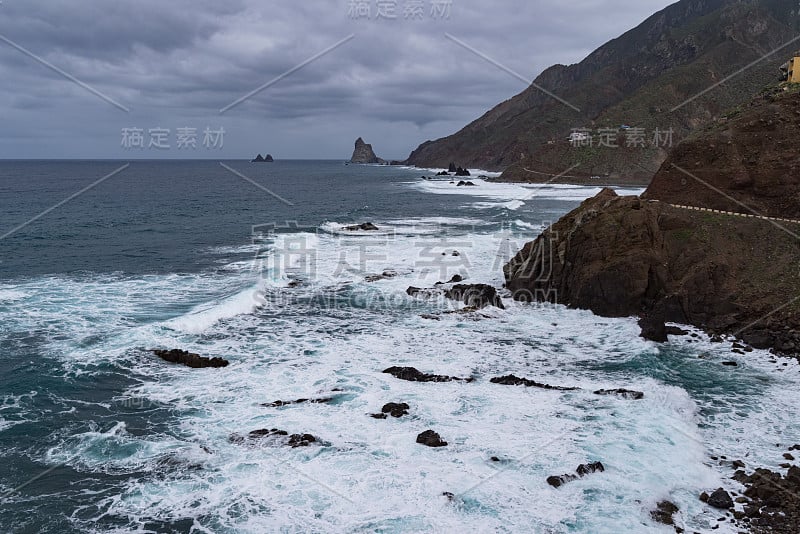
(791, 70)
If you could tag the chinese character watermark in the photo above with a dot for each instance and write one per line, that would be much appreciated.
(392, 9)
(161, 138)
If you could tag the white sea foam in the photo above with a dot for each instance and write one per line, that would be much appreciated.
(202, 317)
(370, 474)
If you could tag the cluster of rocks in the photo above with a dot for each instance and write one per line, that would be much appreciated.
(473, 295)
(581, 471)
(462, 183)
(261, 159)
(189, 359)
(771, 501)
(395, 409)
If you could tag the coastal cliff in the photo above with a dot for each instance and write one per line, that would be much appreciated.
(623, 256)
(653, 77)
(747, 162)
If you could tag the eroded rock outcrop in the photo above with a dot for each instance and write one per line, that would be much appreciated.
(624, 256)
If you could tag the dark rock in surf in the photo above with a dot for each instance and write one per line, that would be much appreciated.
(367, 227)
(477, 295)
(279, 403)
(582, 470)
(395, 409)
(276, 436)
(452, 167)
(511, 380)
(664, 512)
(720, 499)
(430, 438)
(411, 374)
(189, 359)
(624, 393)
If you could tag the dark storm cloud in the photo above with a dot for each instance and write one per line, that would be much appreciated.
(398, 82)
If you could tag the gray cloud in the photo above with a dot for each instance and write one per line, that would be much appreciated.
(174, 64)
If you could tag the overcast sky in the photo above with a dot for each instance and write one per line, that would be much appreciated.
(175, 64)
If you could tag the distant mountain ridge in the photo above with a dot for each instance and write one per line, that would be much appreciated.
(637, 80)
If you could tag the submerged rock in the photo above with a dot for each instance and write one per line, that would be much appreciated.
(411, 374)
(664, 512)
(279, 403)
(189, 359)
(511, 380)
(277, 436)
(430, 438)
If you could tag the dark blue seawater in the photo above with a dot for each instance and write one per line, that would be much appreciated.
(98, 435)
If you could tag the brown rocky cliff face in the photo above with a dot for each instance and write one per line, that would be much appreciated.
(635, 79)
(620, 256)
(748, 162)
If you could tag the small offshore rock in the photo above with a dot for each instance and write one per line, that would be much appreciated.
(624, 393)
(430, 438)
(412, 374)
(189, 359)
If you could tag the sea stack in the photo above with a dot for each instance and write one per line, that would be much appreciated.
(363, 153)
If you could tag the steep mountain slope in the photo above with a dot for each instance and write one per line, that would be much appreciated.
(637, 80)
(747, 162)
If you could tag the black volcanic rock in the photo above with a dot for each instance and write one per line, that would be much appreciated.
(189, 359)
(581, 471)
(664, 512)
(431, 439)
(363, 153)
(367, 227)
(720, 499)
(462, 172)
(268, 159)
(475, 295)
(624, 393)
(452, 167)
(412, 374)
(273, 436)
(395, 409)
(258, 159)
(511, 380)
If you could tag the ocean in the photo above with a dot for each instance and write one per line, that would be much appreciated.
(97, 434)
